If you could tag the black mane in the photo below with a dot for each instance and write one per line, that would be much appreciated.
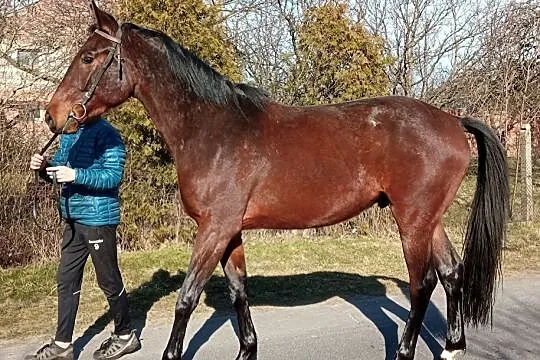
(206, 83)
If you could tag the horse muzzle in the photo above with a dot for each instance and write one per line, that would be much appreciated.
(70, 126)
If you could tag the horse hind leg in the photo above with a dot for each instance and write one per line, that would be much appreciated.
(234, 267)
(416, 236)
(450, 271)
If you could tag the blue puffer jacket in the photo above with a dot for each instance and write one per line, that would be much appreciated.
(98, 155)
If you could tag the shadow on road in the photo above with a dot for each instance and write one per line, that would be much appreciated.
(280, 291)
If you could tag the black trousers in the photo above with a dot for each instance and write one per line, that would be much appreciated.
(99, 242)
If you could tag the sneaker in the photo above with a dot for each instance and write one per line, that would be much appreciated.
(52, 352)
(114, 347)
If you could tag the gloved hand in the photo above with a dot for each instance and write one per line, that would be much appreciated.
(64, 174)
(38, 162)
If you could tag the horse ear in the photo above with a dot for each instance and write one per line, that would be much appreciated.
(104, 21)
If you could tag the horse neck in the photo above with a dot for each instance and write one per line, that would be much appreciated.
(178, 115)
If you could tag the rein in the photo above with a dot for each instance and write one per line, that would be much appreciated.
(36, 180)
(114, 52)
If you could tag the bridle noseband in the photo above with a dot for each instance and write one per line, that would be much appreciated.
(114, 52)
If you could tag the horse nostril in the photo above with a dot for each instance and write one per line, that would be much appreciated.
(49, 121)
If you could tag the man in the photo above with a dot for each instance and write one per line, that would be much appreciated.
(89, 164)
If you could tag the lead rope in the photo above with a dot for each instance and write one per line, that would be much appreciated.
(55, 184)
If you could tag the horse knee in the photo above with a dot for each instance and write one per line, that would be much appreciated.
(186, 303)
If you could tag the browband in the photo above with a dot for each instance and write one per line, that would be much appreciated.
(107, 36)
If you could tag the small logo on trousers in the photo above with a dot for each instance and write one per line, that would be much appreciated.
(96, 243)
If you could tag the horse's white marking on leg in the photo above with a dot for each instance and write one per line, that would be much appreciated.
(452, 355)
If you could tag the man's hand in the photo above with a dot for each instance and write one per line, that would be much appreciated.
(37, 162)
(64, 174)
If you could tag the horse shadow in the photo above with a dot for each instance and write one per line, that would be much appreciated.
(283, 291)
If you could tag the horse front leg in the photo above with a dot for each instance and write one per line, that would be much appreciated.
(210, 244)
(234, 267)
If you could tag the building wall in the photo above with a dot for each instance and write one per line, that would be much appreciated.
(30, 65)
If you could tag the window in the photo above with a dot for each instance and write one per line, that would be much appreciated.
(27, 57)
(36, 114)
(19, 4)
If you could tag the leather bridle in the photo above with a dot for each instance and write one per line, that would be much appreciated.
(114, 52)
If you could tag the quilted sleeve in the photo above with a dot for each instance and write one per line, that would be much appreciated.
(108, 169)
(60, 156)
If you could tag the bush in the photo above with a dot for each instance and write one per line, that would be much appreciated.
(151, 213)
(21, 241)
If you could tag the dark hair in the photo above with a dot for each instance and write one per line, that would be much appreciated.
(201, 79)
(91, 29)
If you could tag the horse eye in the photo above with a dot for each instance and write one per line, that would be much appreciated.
(87, 59)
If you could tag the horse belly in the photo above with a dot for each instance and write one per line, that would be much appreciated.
(298, 202)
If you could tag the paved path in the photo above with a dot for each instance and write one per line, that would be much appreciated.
(354, 328)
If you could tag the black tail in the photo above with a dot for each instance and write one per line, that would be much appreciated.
(486, 228)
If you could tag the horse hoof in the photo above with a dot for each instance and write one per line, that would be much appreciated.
(247, 356)
(452, 355)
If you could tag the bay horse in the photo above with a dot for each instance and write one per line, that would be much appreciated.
(244, 161)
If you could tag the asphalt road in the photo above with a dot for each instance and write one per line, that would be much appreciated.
(351, 328)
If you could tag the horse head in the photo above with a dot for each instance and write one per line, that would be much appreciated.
(95, 81)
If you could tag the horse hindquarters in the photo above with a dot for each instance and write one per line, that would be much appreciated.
(436, 166)
(469, 284)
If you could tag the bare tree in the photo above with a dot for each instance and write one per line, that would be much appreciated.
(501, 84)
(428, 39)
(261, 35)
(504, 74)
(265, 35)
